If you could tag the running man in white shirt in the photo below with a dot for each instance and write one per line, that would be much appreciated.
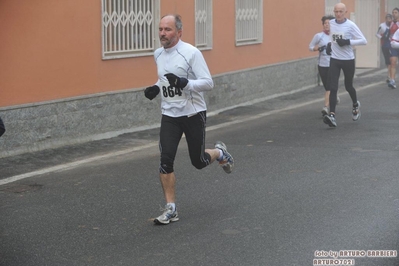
(344, 33)
(393, 51)
(383, 35)
(183, 77)
(319, 43)
(395, 40)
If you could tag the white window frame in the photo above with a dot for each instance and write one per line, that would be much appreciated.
(249, 22)
(203, 24)
(129, 28)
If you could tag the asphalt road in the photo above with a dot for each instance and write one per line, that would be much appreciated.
(298, 191)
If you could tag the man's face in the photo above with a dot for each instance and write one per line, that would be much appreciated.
(326, 25)
(339, 12)
(395, 14)
(168, 34)
(388, 20)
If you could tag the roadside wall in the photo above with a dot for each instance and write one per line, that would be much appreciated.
(51, 124)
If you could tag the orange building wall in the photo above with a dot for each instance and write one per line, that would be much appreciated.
(51, 49)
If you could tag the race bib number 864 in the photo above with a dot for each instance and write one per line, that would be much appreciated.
(171, 94)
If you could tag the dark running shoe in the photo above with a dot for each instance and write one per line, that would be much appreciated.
(330, 120)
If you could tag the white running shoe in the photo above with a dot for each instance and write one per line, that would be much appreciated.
(392, 84)
(167, 216)
(356, 112)
(325, 111)
(227, 161)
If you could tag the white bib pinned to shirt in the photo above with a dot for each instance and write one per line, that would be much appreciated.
(171, 94)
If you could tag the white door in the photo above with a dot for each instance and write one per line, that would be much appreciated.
(367, 19)
(329, 7)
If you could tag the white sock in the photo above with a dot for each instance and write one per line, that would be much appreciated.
(220, 155)
(173, 205)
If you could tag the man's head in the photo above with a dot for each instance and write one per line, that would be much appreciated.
(340, 11)
(395, 14)
(170, 30)
(325, 20)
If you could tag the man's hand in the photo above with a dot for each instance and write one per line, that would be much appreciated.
(343, 42)
(151, 92)
(321, 48)
(175, 81)
(328, 49)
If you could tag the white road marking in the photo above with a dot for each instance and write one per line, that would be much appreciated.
(71, 165)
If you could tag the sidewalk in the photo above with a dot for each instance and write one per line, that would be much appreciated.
(23, 166)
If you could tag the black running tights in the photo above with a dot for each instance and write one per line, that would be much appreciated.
(348, 67)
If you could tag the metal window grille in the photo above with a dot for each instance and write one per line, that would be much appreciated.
(249, 22)
(128, 28)
(203, 24)
(329, 7)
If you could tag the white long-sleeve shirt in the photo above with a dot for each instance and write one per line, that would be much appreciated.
(346, 30)
(321, 39)
(183, 60)
(395, 40)
(383, 35)
(382, 30)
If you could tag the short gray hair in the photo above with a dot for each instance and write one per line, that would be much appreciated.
(178, 22)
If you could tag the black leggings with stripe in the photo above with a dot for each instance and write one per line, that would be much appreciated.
(172, 129)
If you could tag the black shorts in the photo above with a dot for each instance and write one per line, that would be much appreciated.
(393, 52)
(387, 55)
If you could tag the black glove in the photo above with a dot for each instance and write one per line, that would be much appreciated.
(175, 81)
(151, 92)
(343, 42)
(321, 48)
(328, 49)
